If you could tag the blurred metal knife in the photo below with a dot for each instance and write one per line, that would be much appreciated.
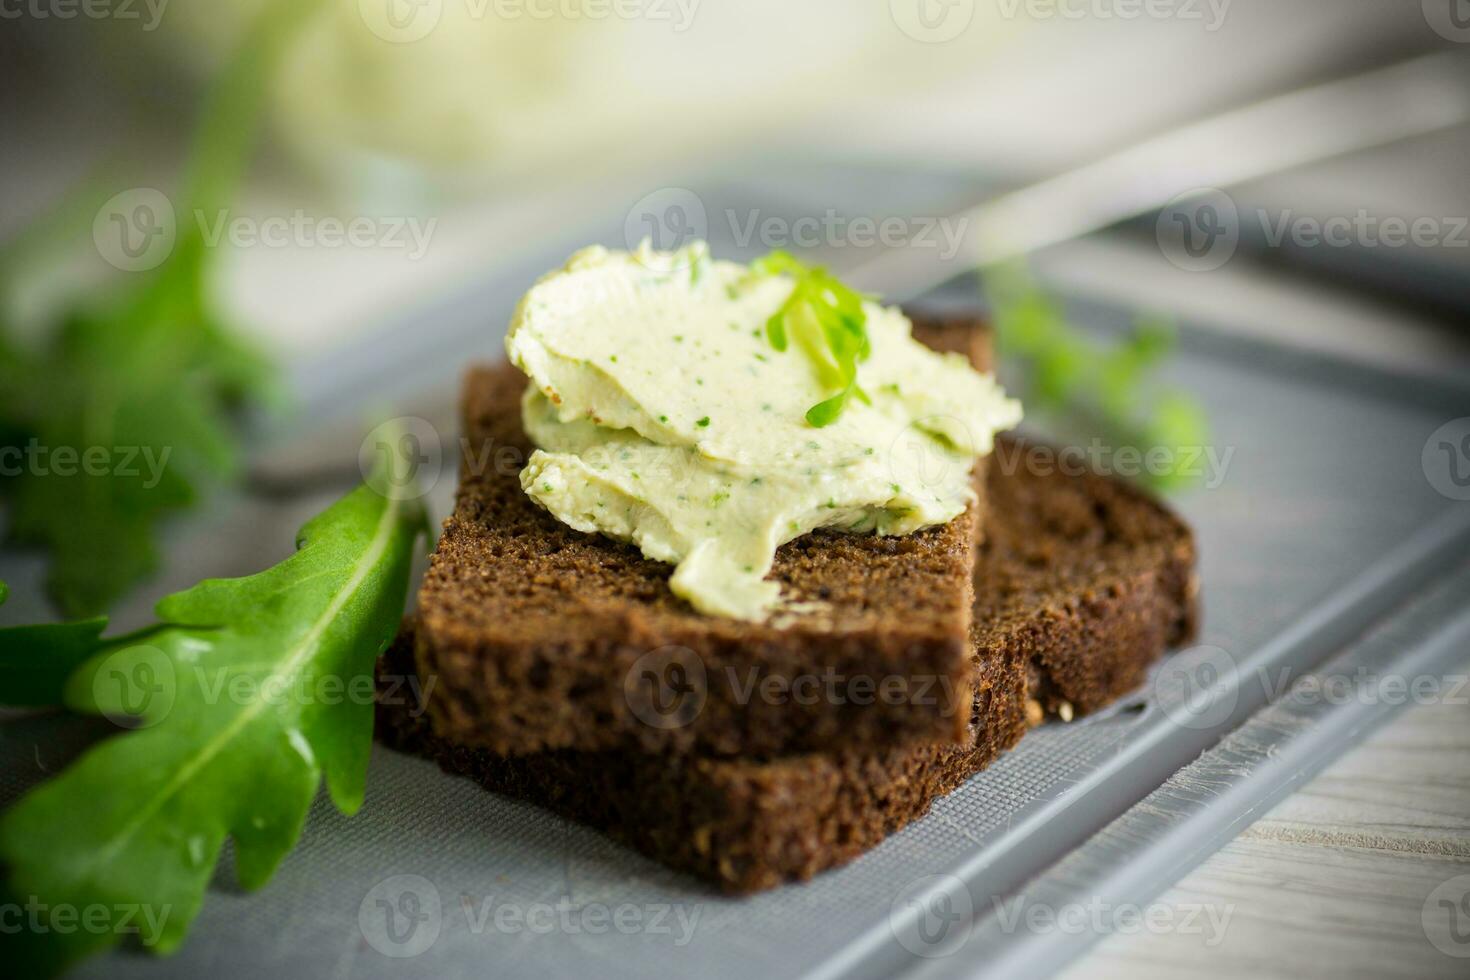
(1413, 98)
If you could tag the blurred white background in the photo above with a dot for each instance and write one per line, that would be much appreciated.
(505, 121)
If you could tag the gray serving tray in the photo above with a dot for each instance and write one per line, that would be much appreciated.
(1323, 538)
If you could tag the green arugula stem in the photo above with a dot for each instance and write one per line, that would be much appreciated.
(152, 367)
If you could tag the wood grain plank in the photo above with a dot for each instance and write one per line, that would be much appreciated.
(1334, 880)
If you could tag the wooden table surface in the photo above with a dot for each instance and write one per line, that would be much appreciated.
(1334, 881)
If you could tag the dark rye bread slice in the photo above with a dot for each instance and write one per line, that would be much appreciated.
(1087, 576)
(743, 825)
(542, 637)
(1081, 583)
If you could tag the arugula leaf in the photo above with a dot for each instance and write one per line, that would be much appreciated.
(1107, 391)
(36, 660)
(828, 320)
(144, 401)
(125, 410)
(246, 694)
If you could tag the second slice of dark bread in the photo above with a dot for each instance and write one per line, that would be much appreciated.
(542, 637)
(1081, 583)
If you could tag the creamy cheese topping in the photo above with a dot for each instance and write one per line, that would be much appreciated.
(664, 417)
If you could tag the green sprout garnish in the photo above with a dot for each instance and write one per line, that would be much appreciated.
(827, 320)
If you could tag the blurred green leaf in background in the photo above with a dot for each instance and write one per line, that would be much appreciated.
(1075, 385)
(120, 413)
